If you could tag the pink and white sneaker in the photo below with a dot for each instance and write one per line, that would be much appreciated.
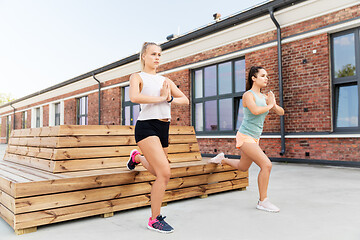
(218, 158)
(266, 205)
(131, 164)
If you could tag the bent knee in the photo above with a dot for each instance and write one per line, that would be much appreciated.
(164, 176)
(243, 168)
(267, 166)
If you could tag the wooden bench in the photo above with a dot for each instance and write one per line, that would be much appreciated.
(55, 174)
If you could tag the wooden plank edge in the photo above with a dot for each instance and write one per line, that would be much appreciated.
(110, 179)
(51, 201)
(35, 219)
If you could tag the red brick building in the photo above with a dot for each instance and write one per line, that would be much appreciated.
(311, 50)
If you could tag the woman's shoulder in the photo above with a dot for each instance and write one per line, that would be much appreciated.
(135, 76)
(248, 93)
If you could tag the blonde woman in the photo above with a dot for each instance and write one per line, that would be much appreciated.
(155, 94)
(256, 107)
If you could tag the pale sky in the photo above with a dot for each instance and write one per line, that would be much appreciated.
(45, 42)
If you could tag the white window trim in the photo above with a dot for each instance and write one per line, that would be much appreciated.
(33, 117)
(52, 113)
(62, 112)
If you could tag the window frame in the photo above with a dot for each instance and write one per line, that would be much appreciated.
(23, 119)
(127, 104)
(235, 96)
(345, 81)
(37, 117)
(78, 110)
(57, 116)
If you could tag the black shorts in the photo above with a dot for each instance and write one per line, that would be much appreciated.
(153, 127)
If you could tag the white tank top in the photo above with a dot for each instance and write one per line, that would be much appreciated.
(151, 87)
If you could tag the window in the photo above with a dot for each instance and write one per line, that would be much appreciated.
(24, 119)
(217, 97)
(82, 111)
(345, 75)
(57, 114)
(38, 115)
(130, 111)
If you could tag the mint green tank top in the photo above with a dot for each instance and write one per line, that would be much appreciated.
(252, 125)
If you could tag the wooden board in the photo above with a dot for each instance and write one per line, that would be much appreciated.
(71, 181)
(71, 165)
(91, 152)
(90, 130)
(36, 203)
(88, 141)
(39, 218)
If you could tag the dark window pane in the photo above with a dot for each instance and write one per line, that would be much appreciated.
(210, 81)
(57, 119)
(344, 55)
(348, 106)
(127, 115)
(226, 114)
(126, 94)
(199, 117)
(225, 84)
(240, 77)
(136, 110)
(240, 115)
(57, 108)
(198, 84)
(211, 116)
(38, 117)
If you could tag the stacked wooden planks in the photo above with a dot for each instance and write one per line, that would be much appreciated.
(54, 174)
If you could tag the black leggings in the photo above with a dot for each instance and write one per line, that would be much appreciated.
(152, 127)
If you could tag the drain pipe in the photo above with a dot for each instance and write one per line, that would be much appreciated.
(282, 124)
(14, 116)
(99, 101)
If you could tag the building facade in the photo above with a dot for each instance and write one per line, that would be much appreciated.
(320, 69)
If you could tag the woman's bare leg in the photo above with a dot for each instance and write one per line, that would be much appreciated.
(254, 152)
(145, 163)
(243, 164)
(157, 159)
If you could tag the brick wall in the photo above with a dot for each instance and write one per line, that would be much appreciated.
(111, 106)
(70, 111)
(28, 122)
(45, 115)
(333, 149)
(307, 85)
(181, 114)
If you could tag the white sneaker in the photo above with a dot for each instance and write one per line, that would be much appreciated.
(218, 158)
(266, 205)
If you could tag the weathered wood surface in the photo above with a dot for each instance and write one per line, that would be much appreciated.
(60, 166)
(38, 218)
(36, 203)
(88, 141)
(69, 148)
(39, 182)
(90, 130)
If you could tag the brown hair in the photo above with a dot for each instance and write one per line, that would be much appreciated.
(254, 70)
(143, 51)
